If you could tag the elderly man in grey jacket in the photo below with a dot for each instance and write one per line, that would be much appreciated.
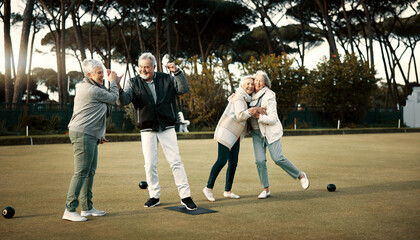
(153, 96)
(86, 130)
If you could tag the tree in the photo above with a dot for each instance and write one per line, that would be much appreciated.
(8, 84)
(344, 89)
(2, 92)
(46, 76)
(55, 14)
(20, 82)
(74, 78)
(205, 94)
(331, 40)
(303, 36)
(264, 8)
(215, 25)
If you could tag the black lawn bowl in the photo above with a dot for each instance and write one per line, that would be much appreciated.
(331, 187)
(143, 184)
(8, 212)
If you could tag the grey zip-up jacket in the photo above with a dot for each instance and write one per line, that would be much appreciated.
(90, 108)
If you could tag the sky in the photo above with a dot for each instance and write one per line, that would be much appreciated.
(43, 57)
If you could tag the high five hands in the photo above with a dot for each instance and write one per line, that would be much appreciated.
(112, 76)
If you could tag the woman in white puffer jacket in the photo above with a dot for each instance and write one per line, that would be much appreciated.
(266, 133)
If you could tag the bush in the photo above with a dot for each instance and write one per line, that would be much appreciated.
(206, 100)
(344, 88)
(39, 124)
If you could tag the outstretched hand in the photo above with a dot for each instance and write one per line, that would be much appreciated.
(112, 76)
(172, 67)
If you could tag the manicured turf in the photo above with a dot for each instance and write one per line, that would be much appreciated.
(377, 178)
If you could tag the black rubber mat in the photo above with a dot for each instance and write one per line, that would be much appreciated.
(198, 211)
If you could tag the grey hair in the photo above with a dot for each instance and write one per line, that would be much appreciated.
(266, 79)
(148, 55)
(89, 66)
(243, 79)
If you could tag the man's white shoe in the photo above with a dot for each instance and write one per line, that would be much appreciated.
(73, 216)
(264, 194)
(230, 195)
(209, 194)
(304, 181)
(93, 212)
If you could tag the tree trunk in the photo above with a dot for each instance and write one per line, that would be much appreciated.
(90, 30)
(157, 42)
(141, 43)
(78, 34)
(370, 33)
(331, 40)
(264, 15)
(23, 52)
(168, 28)
(348, 24)
(8, 86)
(63, 92)
(28, 76)
(267, 38)
(388, 79)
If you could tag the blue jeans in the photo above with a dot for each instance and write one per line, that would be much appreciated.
(85, 148)
(275, 149)
(224, 155)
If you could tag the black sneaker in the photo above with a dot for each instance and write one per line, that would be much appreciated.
(152, 202)
(188, 203)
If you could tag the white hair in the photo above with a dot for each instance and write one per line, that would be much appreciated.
(89, 66)
(148, 55)
(266, 79)
(243, 79)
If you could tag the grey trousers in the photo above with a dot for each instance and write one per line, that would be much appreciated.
(85, 148)
(275, 149)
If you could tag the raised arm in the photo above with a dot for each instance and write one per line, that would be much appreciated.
(126, 95)
(103, 95)
(181, 82)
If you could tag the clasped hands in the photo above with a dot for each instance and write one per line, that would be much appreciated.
(257, 111)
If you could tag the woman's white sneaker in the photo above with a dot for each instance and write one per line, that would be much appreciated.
(230, 195)
(209, 194)
(93, 212)
(304, 181)
(264, 194)
(73, 216)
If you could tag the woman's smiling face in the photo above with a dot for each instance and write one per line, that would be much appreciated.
(259, 83)
(248, 86)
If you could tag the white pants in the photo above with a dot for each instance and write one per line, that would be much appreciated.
(168, 141)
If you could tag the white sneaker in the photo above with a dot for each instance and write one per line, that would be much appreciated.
(264, 194)
(304, 181)
(73, 216)
(230, 195)
(209, 194)
(93, 212)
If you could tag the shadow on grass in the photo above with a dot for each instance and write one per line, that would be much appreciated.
(35, 215)
(317, 193)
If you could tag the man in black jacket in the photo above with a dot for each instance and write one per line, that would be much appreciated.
(153, 96)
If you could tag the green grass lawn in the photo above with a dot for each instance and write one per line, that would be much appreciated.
(377, 178)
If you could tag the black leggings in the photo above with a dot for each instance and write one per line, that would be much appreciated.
(224, 155)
